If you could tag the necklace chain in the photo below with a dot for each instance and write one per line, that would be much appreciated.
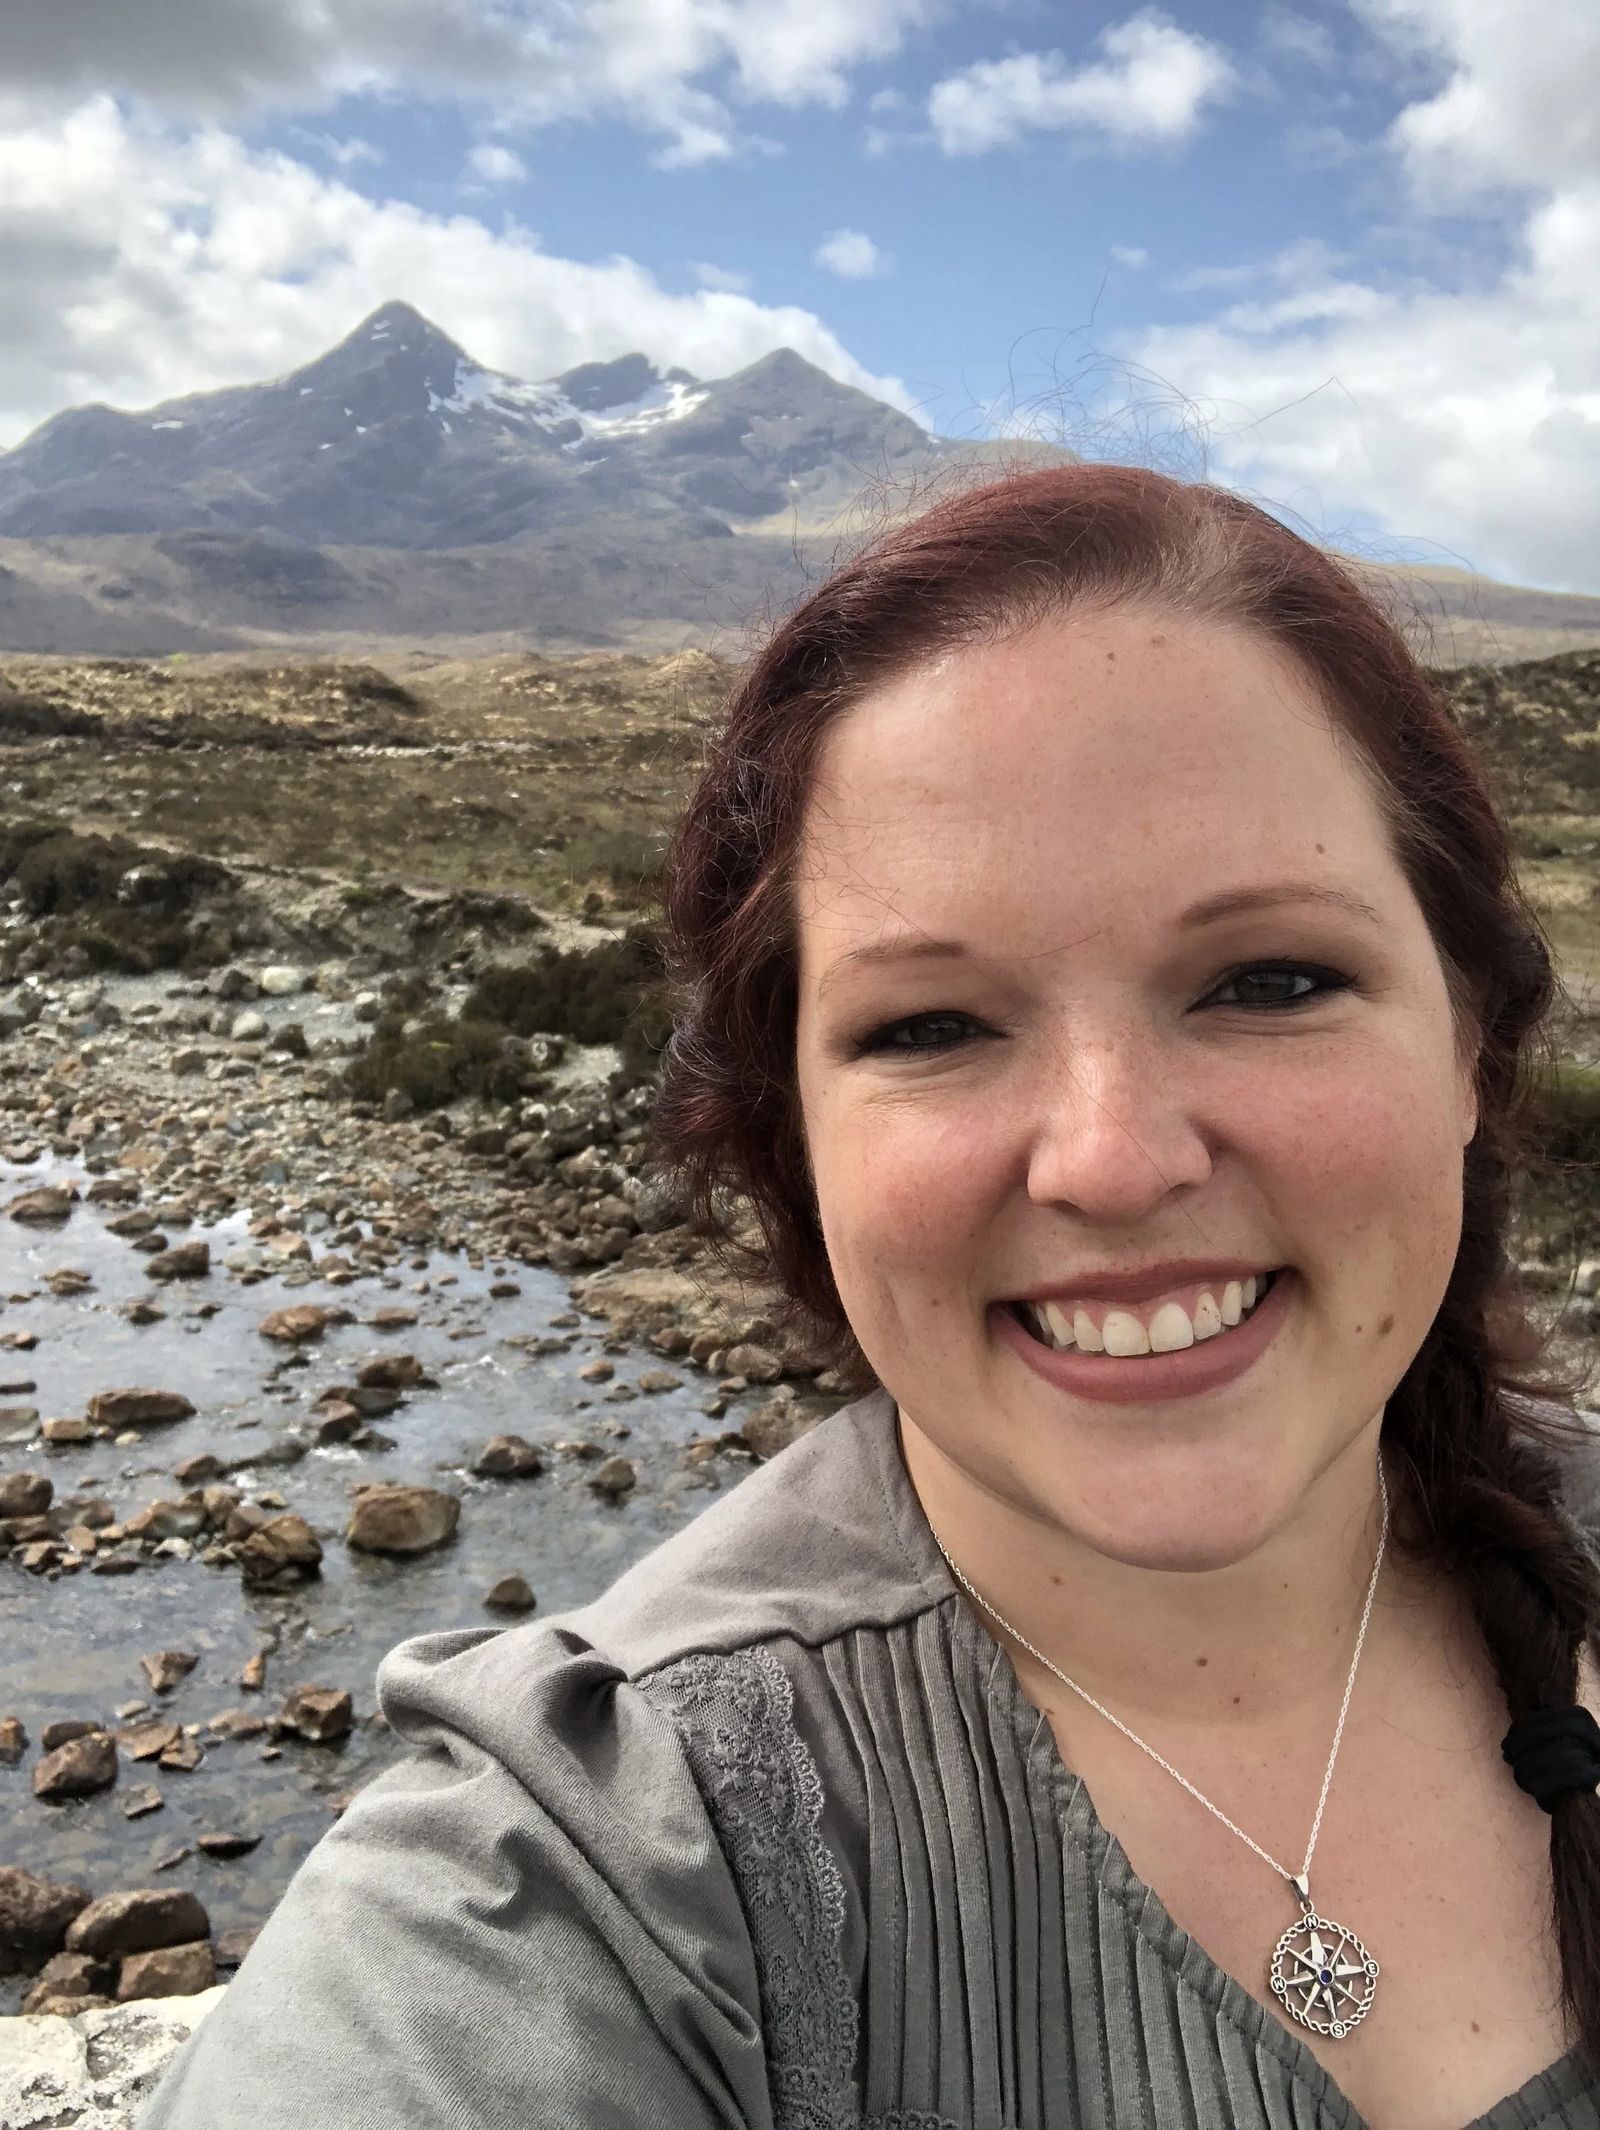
(1299, 1880)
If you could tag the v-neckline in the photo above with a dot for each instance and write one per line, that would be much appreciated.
(1068, 1797)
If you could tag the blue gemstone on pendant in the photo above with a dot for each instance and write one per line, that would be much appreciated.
(1326, 1975)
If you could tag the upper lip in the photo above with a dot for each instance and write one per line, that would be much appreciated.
(1144, 1282)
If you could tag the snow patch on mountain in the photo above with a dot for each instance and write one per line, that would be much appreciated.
(546, 406)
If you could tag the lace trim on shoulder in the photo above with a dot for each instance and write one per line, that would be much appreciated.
(735, 1715)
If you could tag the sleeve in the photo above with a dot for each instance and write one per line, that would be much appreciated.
(528, 1922)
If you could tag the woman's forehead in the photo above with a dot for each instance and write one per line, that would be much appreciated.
(1126, 745)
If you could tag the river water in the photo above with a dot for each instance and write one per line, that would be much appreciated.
(70, 1647)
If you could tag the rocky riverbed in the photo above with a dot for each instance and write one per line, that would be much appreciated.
(281, 1384)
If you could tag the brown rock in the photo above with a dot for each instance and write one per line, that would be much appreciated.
(511, 1594)
(653, 1381)
(13, 1741)
(25, 1494)
(401, 1519)
(185, 1260)
(137, 1921)
(35, 1913)
(138, 1408)
(168, 1971)
(69, 1429)
(391, 1371)
(615, 1477)
(758, 1364)
(147, 1741)
(225, 1846)
(142, 1798)
(283, 1543)
(167, 1668)
(182, 1757)
(298, 1325)
(42, 1208)
(778, 1423)
(507, 1457)
(597, 1371)
(254, 1675)
(340, 1420)
(195, 1471)
(234, 1944)
(78, 1768)
(65, 1728)
(319, 1713)
(67, 1975)
(236, 1723)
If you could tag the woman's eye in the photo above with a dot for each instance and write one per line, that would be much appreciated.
(1266, 983)
(946, 1029)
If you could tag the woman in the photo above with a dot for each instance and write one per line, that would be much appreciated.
(1103, 972)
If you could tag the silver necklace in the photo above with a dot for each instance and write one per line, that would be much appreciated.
(1320, 1972)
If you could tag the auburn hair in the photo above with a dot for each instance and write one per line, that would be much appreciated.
(1476, 1434)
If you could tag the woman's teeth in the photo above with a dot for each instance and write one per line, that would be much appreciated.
(1121, 1334)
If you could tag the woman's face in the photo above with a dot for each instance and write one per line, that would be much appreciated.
(1031, 1058)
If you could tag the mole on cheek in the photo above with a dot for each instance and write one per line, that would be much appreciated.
(1386, 1327)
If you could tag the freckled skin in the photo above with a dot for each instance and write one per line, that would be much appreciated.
(1058, 800)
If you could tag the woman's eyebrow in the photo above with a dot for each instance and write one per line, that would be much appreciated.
(1234, 900)
(917, 946)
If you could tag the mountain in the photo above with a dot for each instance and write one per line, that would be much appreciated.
(395, 489)
(397, 438)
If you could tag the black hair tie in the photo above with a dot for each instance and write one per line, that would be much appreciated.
(1554, 1751)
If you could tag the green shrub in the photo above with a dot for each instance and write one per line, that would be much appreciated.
(1568, 1113)
(439, 1062)
(591, 997)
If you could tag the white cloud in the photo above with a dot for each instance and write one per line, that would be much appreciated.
(1151, 82)
(345, 152)
(1470, 418)
(669, 66)
(721, 277)
(1133, 255)
(1520, 102)
(139, 262)
(493, 163)
(851, 254)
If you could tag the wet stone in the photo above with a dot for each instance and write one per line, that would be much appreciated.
(318, 1713)
(25, 1494)
(78, 1768)
(615, 1477)
(224, 1846)
(143, 1798)
(511, 1594)
(402, 1519)
(167, 1971)
(167, 1668)
(507, 1457)
(138, 1408)
(65, 1729)
(36, 1912)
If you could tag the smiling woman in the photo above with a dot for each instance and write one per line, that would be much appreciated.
(1101, 969)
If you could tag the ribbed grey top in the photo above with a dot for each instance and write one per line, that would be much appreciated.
(768, 1836)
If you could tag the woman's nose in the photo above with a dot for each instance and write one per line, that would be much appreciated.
(1114, 1129)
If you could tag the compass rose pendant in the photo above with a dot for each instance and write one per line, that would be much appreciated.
(1323, 1975)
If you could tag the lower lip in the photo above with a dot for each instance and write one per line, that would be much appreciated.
(1147, 1379)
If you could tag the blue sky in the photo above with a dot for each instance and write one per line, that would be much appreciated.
(1346, 255)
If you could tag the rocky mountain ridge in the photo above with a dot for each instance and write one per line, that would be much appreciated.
(398, 438)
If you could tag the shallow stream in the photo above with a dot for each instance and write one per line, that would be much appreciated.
(70, 1647)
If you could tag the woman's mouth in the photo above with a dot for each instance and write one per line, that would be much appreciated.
(1186, 1342)
(1187, 1317)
